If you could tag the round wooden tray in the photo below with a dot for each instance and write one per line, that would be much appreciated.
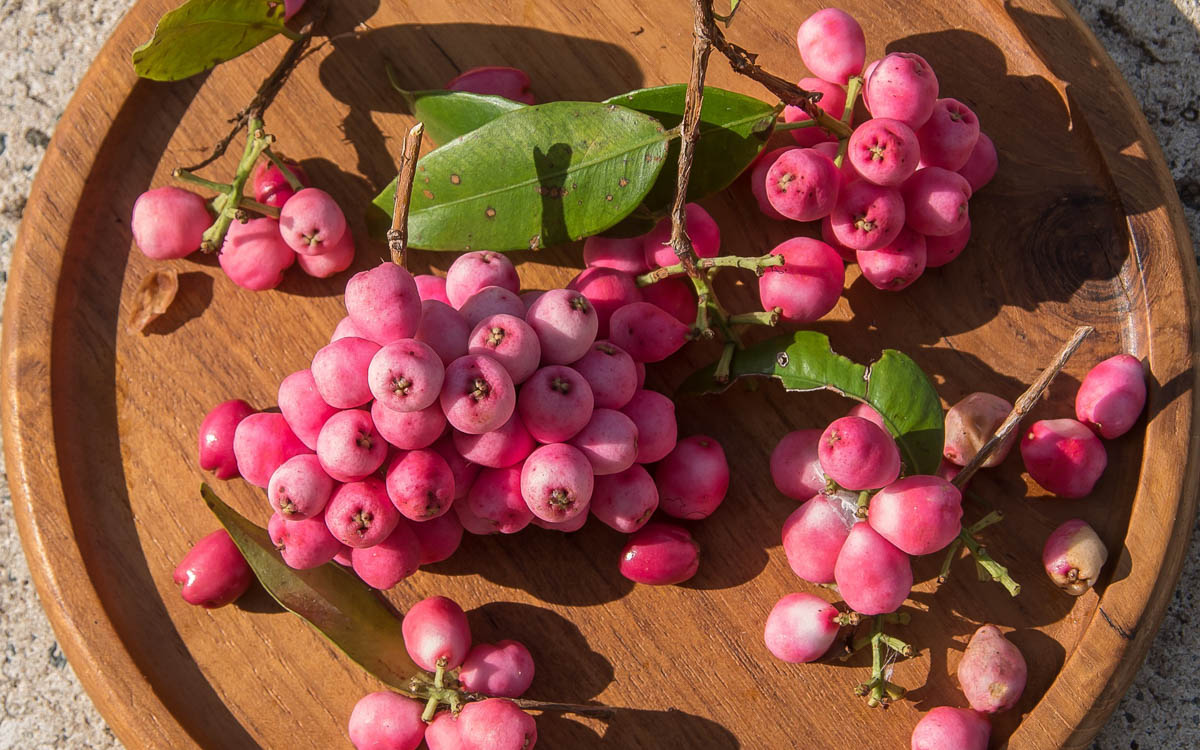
(1081, 225)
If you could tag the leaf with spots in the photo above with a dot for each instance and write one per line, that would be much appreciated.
(201, 33)
(449, 114)
(893, 385)
(329, 598)
(533, 177)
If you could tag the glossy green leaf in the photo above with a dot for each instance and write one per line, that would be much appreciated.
(201, 33)
(734, 128)
(449, 114)
(893, 385)
(329, 598)
(534, 177)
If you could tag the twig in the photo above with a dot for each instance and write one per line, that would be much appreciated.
(1023, 406)
(397, 236)
(758, 265)
(689, 130)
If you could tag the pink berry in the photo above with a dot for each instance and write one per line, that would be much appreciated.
(349, 447)
(299, 488)
(409, 430)
(654, 416)
(496, 724)
(813, 536)
(625, 501)
(557, 482)
(420, 484)
(858, 455)
(833, 103)
(169, 222)
(981, 164)
(436, 631)
(471, 272)
(302, 406)
(442, 733)
(496, 502)
(970, 423)
(946, 728)
(254, 256)
(701, 229)
(803, 184)
(675, 296)
(941, 250)
(344, 329)
(758, 173)
(494, 80)
(611, 373)
(795, 468)
(444, 330)
(555, 404)
(305, 543)
(463, 470)
(693, 479)
(489, 301)
(847, 171)
(800, 628)
(896, 265)
(510, 341)
(919, 514)
(992, 671)
(261, 443)
(807, 286)
(829, 238)
(216, 437)
(647, 332)
(1063, 456)
(383, 565)
(832, 45)
(386, 721)
(477, 395)
(340, 372)
(438, 538)
(660, 554)
(902, 87)
(575, 523)
(884, 151)
(291, 8)
(213, 573)
(607, 290)
(565, 323)
(359, 514)
(949, 135)
(472, 523)
(872, 575)
(1112, 396)
(609, 441)
(406, 375)
(1074, 556)
(868, 412)
(311, 222)
(641, 374)
(618, 253)
(504, 670)
(270, 187)
(383, 303)
(935, 201)
(868, 216)
(430, 287)
(332, 261)
(508, 444)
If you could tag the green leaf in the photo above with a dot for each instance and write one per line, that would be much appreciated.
(893, 385)
(734, 128)
(534, 177)
(201, 33)
(329, 598)
(449, 114)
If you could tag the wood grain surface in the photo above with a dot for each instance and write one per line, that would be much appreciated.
(1081, 225)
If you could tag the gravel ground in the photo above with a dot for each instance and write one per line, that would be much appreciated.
(45, 47)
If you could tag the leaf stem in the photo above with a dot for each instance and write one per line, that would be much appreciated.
(721, 374)
(783, 127)
(222, 188)
(951, 554)
(397, 236)
(993, 569)
(1023, 406)
(758, 265)
(764, 318)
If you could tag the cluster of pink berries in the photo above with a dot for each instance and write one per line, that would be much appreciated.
(169, 222)
(438, 639)
(894, 197)
(546, 423)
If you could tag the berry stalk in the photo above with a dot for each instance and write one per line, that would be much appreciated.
(758, 265)
(397, 236)
(223, 188)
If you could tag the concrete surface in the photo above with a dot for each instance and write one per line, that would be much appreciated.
(45, 47)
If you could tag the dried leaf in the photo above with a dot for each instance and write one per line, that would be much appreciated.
(152, 298)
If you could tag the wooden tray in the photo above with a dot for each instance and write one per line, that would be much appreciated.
(1081, 225)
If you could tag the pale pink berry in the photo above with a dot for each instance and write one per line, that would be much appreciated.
(386, 721)
(693, 479)
(344, 329)
(847, 171)
(269, 185)
(941, 250)
(463, 470)
(444, 330)
(611, 373)
(674, 296)
(331, 261)
(992, 672)
(813, 536)
(935, 201)
(654, 416)
(254, 256)
(872, 575)
(557, 482)
(647, 332)
(305, 543)
(1063, 456)
(261, 443)
(868, 216)
(478, 395)
(555, 404)
(169, 222)
(758, 173)
(919, 514)
(981, 164)
(213, 573)
(311, 222)
(339, 370)
(436, 633)
(494, 80)
(438, 538)
(896, 265)
(504, 670)
(607, 290)
(618, 253)
(575, 523)
(489, 301)
(349, 446)
(626, 500)
(383, 303)
(833, 103)
(809, 283)
(946, 728)
(495, 502)
(508, 444)
(858, 455)
(359, 514)
(1112, 396)
(430, 287)
(829, 238)
(383, 565)
(302, 406)
(832, 45)
(660, 554)
(496, 724)
(299, 488)
(565, 323)
(803, 184)
(216, 437)
(510, 341)
(868, 412)
(949, 135)
(420, 484)
(701, 229)
(902, 87)
(442, 733)
(1073, 556)
(884, 151)
(472, 523)
(795, 467)
(800, 628)
(406, 375)
(472, 271)
(970, 423)
(409, 430)
(609, 441)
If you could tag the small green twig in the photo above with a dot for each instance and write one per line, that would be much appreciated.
(951, 555)
(994, 570)
(852, 92)
(783, 127)
(757, 264)
(990, 519)
(222, 189)
(256, 142)
(764, 318)
(292, 180)
(721, 374)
